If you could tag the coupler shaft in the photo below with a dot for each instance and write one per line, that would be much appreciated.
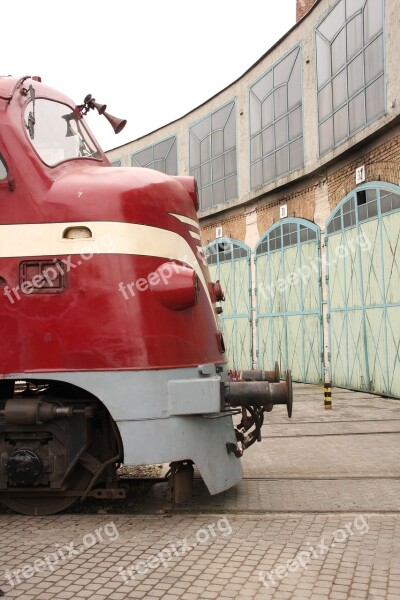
(258, 375)
(260, 393)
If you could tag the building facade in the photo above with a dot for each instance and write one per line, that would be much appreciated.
(298, 168)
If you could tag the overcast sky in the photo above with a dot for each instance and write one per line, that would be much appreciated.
(150, 62)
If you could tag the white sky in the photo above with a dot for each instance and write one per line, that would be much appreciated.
(150, 62)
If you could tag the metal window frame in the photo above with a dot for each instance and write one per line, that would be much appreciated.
(274, 121)
(209, 115)
(174, 142)
(346, 103)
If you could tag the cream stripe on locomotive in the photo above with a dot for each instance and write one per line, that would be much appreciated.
(107, 237)
(186, 220)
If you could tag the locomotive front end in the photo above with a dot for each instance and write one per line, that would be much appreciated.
(112, 351)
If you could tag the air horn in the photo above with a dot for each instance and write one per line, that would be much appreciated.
(90, 103)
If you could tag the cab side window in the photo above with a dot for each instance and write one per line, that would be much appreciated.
(3, 169)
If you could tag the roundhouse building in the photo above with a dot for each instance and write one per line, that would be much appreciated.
(298, 168)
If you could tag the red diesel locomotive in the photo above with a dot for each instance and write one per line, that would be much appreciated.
(111, 351)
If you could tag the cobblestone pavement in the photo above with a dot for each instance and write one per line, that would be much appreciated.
(317, 517)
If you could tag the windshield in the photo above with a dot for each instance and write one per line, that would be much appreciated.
(57, 132)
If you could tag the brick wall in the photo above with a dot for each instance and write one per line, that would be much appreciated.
(381, 164)
(299, 204)
(314, 203)
(233, 226)
(302, 7)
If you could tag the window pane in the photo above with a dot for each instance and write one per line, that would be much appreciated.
(281, 132)
(339, 85)
(267, 111)
(282, 161)
(206, 197)
(217, 143)
(231, 188)
(295, 124)
(3, 170)
(230, 162)
(284, 68)
(205, 150)
(256, 174)
(202, 128)
(352, 6)
(355, 75)
(373, 19)
(158, 165)
(220, 117)
(230, 132)
(294, 85)
(323, 61)
(263, 87)
(269, 168)
(255, 148)
(340, 124)
(325, 102)
(255, 114)
(339, 51)
(280, 101)
(357, 112)
(171, 162)
(268, 140)
(389, 202)
(205, 174)
(194, 151)
(326, 136)
(296, 154)
(218, 192)
(354, 36)
(162, 148)
(374, 59)
(218, 168)
(375, 99)
(144, 157)
(333, 22)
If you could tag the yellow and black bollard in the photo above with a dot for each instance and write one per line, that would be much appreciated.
(328, 396)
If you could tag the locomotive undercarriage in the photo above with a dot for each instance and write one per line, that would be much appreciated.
(57, 445)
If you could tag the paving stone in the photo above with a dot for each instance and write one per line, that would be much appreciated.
(312, 466)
